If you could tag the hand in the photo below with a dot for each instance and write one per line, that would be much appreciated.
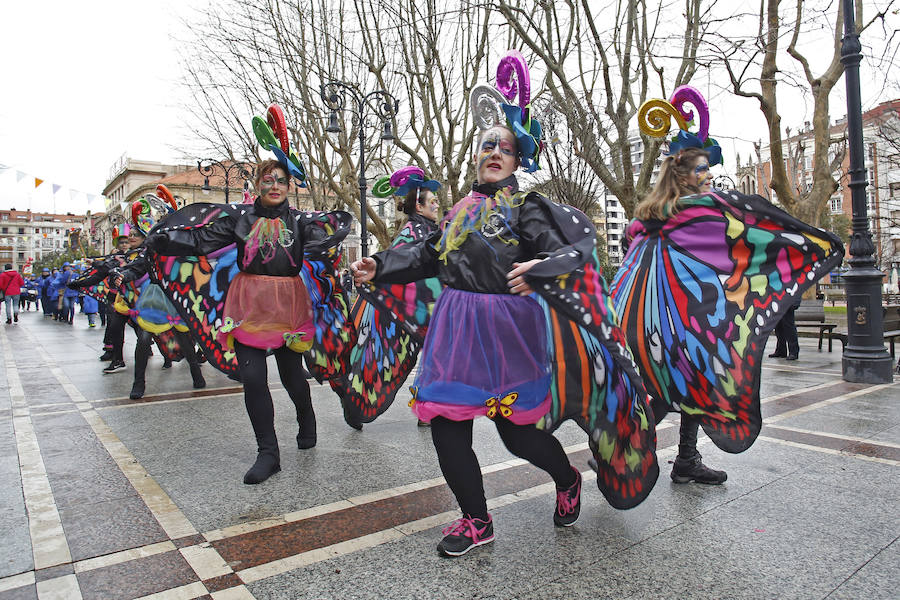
(363, 270)
(116, 280)
(515, 279)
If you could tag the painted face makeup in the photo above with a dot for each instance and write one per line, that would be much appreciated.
(496, 158)
(702, 173)
(270, 181)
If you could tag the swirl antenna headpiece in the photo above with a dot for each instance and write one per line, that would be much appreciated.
(403, 181)
(149, 209)
(687, 106)
(490, 107)
(272, 134)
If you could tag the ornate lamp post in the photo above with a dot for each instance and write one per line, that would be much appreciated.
(865, 358)
(723, 182)
(338, 96)
(242, 170)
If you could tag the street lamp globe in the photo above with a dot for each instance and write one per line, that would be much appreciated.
(388, 135)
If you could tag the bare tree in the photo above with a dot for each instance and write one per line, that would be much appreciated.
(602, 62)
(427, 54)
(752, 65)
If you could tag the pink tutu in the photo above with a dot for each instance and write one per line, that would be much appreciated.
(268, 312)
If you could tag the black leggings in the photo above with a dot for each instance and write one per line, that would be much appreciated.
(258, 399)
(453, 442)
(142, 351)
(115, 333)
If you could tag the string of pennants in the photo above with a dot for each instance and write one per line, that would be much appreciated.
(37, 182)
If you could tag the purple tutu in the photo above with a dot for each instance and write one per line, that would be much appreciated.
(484, 354)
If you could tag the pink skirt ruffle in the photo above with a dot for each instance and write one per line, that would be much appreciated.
(268, 312)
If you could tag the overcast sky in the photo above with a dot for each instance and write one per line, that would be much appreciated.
(85, 82)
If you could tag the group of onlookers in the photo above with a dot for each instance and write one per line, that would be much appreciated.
(48, 292)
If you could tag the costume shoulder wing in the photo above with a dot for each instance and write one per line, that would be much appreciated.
(699, 297)
(330, 353)
(197, 229)
(595, 381)
(197, 286)
(93, 281)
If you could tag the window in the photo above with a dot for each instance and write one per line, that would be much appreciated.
(836, 206)
(4, 230)
(21, 230)
(21, 256)
(895, 190)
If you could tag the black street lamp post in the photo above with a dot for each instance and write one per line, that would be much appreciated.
(723, 182)
(242, 170)
(336, 95)
(865, 358)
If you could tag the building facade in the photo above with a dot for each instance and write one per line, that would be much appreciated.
(26, 237)
(881, 142)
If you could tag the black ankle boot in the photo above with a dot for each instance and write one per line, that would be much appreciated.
(688, 470)
(267, 459)
(688, 464)
(306, 438)
(265, 466)
(137, 390)
(197, 374)
(352, 420)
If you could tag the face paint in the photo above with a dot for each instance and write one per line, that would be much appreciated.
(702, 173)
(271, 180)
(488, 144)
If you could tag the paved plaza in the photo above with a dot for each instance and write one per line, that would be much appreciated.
(102, 497)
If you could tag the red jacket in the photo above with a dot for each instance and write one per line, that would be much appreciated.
(11, 282)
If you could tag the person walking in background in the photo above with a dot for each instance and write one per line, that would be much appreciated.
(91, 307)
(67, 314)
(787, 345)
(11, 283)
(44, 291)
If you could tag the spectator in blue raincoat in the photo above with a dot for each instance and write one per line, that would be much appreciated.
(69, 295)
(44, 291)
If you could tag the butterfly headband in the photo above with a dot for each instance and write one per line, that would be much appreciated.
(655, 119)
(150, 208)
(402, 182)
(272, 134)
(490, 107)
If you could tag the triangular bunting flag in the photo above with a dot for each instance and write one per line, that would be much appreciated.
(20, 176)
(56, 188)
(38, 181)
(73, 194)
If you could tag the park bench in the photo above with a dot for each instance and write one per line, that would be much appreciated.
(811, 314)
(892, 328)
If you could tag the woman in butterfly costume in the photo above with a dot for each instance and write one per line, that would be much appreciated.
(152, 311)
(391, 320)
(495, 349)
(260, 295)
(707, 276)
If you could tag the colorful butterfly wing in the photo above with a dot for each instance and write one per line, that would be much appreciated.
(390, 323)
(197, 286)
(699, 296)
(330, 353)
(595, 381)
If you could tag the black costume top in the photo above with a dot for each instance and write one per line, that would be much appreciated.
(508, 234)
(238, 224)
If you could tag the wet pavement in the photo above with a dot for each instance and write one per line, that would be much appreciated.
(103, 497)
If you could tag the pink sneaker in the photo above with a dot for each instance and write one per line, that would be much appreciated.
(568, 503)
(464, 534)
